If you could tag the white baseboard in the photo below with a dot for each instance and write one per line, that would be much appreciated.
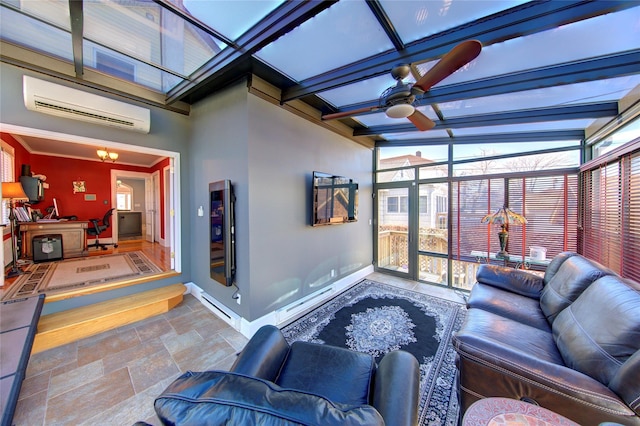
(279, 316)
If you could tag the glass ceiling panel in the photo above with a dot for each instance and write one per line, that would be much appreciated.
(598, 36)
(593, 91)
(331, 39)
(121, 66)
(150, 33)
(414, 20)
(231, 18)
(35, 34)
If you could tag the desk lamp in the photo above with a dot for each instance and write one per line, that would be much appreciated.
(504, 216)
(13, 192)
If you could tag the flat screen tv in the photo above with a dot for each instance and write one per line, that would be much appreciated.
(335, 199)
(222, 249)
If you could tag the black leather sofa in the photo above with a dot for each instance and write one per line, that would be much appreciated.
(274, 383)
(568, 341)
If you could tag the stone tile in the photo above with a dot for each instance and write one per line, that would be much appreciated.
(111, 344)
(77, 377)
(35, 384)
(153, 329)
(148, 371)
(123, 358)
(225, 363)
(51, 358)
(178, 311)
(178, 342)
(200, 320)
(138, 407)
(235, 338)
(192, 302)
(91, 340)
(76, 405)
(211, 351)
(30, 411)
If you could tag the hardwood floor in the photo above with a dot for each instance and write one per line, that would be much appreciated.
(158, 254)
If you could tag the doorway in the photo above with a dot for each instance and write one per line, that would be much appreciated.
(412, 230)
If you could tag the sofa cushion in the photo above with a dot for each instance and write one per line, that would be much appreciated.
(312, 367)
(555, 264)
(574, 275)
(600, 331)
(523, 309)
(221, 398)
(514, 280)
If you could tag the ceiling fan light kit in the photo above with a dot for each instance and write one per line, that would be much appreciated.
(400, 111)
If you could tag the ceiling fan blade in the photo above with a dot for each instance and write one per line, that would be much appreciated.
(348, 113)
(458, 57)
(421, 121)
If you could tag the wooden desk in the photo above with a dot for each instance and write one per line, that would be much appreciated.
(74, 236)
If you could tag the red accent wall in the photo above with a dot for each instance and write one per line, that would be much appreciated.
(62, 172)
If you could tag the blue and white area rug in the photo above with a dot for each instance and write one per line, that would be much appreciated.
(377, 318)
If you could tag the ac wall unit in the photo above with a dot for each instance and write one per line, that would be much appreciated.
(62, 101)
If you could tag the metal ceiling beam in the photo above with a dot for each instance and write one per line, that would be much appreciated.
(545, 136)
(526, 19)
(573, 112)
(77, 29)
(385, 23)
(282, 20)
(610, 66)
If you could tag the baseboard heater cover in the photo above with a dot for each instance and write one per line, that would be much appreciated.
(287, 312)
(230, 318)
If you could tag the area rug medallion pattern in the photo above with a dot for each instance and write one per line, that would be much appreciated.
(70, 274)
(377, 318)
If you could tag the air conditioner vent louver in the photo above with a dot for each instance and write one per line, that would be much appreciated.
(62, 101)
(40, 104)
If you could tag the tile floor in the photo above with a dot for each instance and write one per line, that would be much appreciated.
(113, 378)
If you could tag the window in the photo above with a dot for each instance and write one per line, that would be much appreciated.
(8, 175)
(397, 204)
(549, 202)
(392, 204)
(610, 217)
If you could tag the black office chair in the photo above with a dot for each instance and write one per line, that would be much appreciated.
(98, 229)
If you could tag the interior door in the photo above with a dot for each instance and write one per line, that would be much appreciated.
(395, 251)
(149, 197)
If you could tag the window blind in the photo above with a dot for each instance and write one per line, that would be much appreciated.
(550, 204)
(610, 217)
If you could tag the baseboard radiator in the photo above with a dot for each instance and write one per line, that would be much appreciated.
(227, 315)
(288, 312)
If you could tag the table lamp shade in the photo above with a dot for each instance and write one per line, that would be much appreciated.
(13, 191)
(504, 216)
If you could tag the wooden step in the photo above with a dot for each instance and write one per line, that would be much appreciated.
(68, 326)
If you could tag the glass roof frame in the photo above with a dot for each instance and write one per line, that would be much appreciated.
(501, 22)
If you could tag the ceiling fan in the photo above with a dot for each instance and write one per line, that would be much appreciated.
(398, 101)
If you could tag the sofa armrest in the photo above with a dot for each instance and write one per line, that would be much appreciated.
(396, 390)
(514, 280)
(263, 355)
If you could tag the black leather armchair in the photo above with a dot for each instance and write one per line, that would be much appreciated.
(274, 383)
(98, 229)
